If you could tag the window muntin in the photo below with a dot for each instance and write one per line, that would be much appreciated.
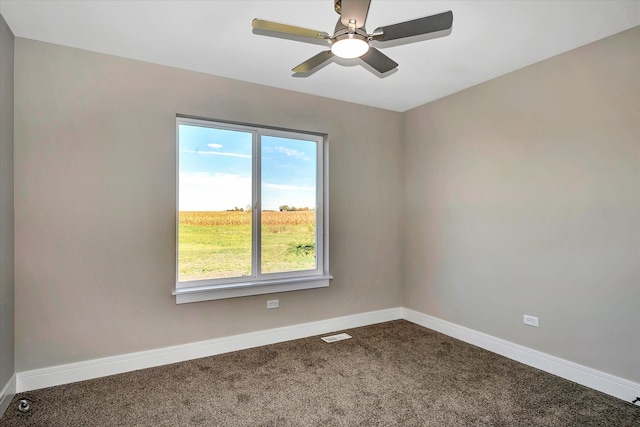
(250, 206)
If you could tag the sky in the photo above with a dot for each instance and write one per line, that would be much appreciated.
(216, 166)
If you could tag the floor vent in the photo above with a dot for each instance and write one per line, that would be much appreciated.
(334, 338)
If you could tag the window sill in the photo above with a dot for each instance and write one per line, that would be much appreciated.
(234, 290)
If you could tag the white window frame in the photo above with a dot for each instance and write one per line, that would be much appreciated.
(258, 284)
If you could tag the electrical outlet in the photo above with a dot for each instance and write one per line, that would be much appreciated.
(530, 320)
(273, 303)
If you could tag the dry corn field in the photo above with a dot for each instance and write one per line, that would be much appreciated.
(244, 218)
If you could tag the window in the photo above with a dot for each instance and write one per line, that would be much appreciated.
(251, 211)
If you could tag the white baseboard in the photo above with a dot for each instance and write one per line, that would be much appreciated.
(63, 374)
(597, 380)
(6, 395)
(72, 372)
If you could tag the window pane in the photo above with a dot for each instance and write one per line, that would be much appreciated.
(214, 230)
(288, 216)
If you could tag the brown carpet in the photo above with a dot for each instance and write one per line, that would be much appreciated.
(390, 374)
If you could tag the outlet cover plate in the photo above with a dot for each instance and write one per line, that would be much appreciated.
(273, 303)
(530, 320)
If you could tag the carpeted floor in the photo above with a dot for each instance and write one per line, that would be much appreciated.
(390, 374)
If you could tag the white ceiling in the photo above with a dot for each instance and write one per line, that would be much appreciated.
(489, 39)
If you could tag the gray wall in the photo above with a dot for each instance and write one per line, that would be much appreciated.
(523, 197)
(6, 205)
(95, 205)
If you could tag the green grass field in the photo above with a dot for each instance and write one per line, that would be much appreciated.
(218, 244)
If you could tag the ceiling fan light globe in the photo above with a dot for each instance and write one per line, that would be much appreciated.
(349, 46)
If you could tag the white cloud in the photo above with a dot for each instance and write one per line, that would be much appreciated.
(290, 152)
(214, 145)
(201, 191)
(284, 187)
(217, 153)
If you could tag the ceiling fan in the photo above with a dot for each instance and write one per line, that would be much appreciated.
(351, 40)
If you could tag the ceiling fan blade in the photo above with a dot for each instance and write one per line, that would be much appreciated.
(378, 60)
(261, 24)
(314, 62)
(356, 10)
(428, 24)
